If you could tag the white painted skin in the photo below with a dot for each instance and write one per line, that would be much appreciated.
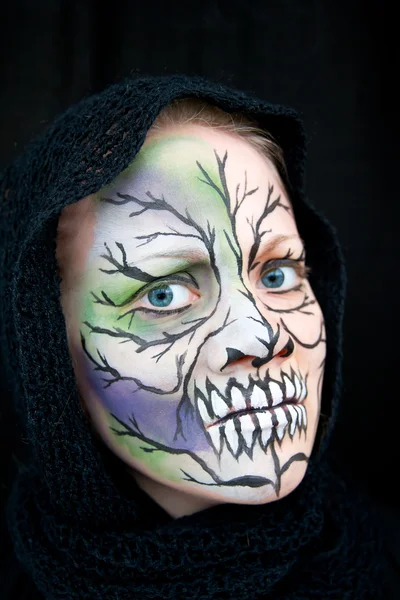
(168, 167)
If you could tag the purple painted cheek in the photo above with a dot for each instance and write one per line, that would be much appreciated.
(155, 415)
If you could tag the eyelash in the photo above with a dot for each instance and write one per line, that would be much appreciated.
(297, 264)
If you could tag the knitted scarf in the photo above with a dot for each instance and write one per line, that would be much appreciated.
(80, 525)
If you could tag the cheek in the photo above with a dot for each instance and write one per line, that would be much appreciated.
(308, 328)
(299, 312)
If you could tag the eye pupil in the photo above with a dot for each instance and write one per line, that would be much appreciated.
(161, 296)
(274, 278)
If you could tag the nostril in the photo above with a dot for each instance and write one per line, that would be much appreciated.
(287, 349)
(283, 352)
(234, 355)
(242, 360)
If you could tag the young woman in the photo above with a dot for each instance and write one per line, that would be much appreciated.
(171, 330)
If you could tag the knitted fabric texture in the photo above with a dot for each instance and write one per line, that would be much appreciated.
(80, 526)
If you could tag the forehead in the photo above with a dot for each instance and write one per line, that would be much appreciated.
(168, 168)
(188, 167)
(174, 154)
(185, 142)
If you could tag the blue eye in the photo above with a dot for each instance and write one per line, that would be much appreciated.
(281, 277)
(163, 295)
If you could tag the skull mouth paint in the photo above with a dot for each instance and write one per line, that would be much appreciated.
(260, 413)
(259, 395)
(210, 355)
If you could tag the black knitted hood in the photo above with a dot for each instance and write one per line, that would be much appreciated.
(78, 528)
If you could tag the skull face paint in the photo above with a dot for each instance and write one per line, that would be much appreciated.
(197, 341)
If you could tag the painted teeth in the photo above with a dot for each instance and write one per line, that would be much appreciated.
(231, 436)
(238, 400)
(215, 434)
(298, 386)
(304, 415)
(265, 420)
(258, 398)
(299, 415)
(290, 391)
(247, 429)
(241, 433)
(282, 422)
(303, 408)
(276, 393)
(219, 407)
(293, 415)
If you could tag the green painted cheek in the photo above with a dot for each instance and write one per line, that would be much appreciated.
(109, 317)
(158, 462)
(112, 317)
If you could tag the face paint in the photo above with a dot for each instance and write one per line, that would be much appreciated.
(198, 341)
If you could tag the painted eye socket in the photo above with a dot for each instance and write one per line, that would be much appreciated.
(167, 296)
(282, 278)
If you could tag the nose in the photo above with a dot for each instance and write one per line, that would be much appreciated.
(246, 337)
(236, 356)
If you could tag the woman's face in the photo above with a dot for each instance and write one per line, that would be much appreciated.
(197, 342)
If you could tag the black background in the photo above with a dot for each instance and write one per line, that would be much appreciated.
(336, 63)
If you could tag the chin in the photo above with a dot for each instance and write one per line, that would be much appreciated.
(181, 498)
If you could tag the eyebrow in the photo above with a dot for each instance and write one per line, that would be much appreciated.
(192, 254)
(278, 239)
(196, 255)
